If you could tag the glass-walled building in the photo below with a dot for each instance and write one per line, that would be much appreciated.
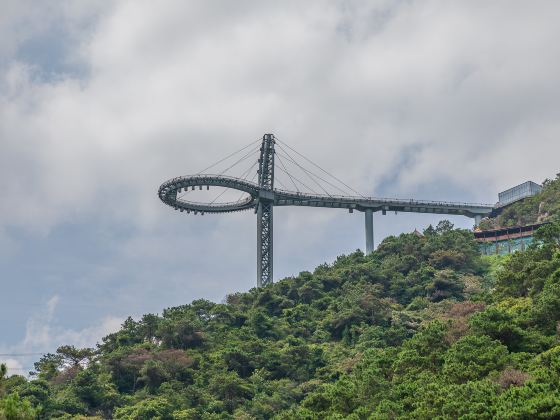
(527, 189)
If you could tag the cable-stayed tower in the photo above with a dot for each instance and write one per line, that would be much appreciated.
(265, 207)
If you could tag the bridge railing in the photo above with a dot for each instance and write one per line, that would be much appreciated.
(224, 177)
(360, 199)
(382, 200)
(220, 204)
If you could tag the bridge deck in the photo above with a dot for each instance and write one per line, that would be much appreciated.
(288, 198)
(168, 193)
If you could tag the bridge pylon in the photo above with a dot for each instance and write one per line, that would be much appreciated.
(265, 207)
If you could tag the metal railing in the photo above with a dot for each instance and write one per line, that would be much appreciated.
(233, 182)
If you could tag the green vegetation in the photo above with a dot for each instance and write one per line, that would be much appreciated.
(423, 328)
(544, 206)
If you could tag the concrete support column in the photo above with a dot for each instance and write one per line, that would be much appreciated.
(477, 219)
(369, 231)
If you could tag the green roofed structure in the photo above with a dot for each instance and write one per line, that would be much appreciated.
(506, 240)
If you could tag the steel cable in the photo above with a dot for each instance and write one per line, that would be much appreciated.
(326, 172)
(285, 170)
(309, 173)
(228, 156)
(300, 181)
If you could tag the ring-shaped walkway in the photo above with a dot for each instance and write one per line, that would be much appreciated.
(169, 194)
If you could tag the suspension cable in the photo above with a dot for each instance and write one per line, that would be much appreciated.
(309, 173)
(286, 170)
(219, 195)
(314, 164)
(228, 156)
(281, 183)
(227, 169)
(245, 174)
(252, 178)
(238, 161)
(300, 181)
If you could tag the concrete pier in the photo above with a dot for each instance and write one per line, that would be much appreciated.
(369, 230)
(477, 219)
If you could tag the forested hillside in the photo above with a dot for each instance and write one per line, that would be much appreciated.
(542, 207)
(423, 328)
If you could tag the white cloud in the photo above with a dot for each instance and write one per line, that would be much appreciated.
(51, 306)
(44, 334)
(433, 98)
(354, 85)
(14, 367)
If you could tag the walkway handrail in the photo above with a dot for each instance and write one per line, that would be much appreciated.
(233, 182)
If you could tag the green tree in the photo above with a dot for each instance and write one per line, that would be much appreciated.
(474, 357)
(3, 371)
(12, 407)
(157, 408)
(49, 366)
(230, 389)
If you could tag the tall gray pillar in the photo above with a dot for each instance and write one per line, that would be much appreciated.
(477, 219)
(264, 243)
(369, 231)
(264, 211)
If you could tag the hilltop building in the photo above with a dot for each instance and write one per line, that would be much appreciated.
(527, 189)
(509, 239)
(505, 240)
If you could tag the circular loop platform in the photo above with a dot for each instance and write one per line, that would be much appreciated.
(168, 193)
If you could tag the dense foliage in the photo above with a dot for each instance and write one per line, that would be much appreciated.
(542, 207)
(423, 328)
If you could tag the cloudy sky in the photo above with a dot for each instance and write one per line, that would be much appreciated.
(100, 102)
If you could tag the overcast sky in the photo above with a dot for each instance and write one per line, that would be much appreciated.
(100, 102)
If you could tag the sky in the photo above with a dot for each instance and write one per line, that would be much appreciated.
(101, 102)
